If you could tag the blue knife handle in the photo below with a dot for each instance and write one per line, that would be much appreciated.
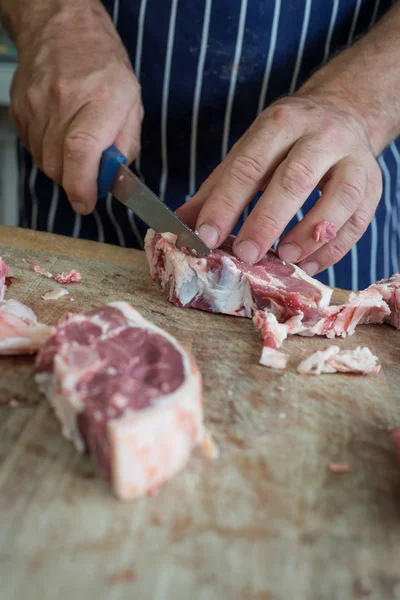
(109, 163)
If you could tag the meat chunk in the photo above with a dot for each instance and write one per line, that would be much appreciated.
(390, 291)
(274, 359)
(324, 231)
(332, 360)
(273, 335)
(221, 283)
(20, 332)
(127, 392)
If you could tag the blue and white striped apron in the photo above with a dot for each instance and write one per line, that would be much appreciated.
(207, 68)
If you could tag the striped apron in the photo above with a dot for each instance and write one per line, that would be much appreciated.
(207, 68)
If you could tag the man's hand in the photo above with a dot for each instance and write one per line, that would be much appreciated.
(326, 137)
(74, 94)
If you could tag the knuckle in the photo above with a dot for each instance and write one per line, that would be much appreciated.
(51, 169)
(34, 98)
(359, 222)
(279, 114)
(266, 222)
(81, 142)
(247, 169)
(61, 90)
(335, 250)
(350, 194)
(298, 178)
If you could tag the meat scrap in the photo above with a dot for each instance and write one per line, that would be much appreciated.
(324, 231)
(333, 360)
(71, 277)
(127, 392)
(273, 335)
(274, 359)
(55, 294)
(20, 331)
(38, 269)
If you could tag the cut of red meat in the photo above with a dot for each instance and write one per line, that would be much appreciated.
(390, 291)
(126, 391)
(221, 283)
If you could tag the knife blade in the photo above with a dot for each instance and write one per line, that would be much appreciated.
(117, 178)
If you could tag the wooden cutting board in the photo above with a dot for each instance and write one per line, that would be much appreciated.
(267, 520)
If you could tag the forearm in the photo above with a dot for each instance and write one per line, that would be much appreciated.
(366, 79)
(22, 18)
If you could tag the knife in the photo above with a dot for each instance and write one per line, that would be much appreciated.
(117, 178)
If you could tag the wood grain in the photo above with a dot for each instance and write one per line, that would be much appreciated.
(268, 520)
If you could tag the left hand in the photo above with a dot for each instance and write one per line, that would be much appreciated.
(311, 140)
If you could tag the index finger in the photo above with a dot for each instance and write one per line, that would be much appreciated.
(293, 181)
(246, 169)
(94, 128)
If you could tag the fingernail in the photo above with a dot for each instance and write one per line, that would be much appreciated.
(310, 267)
(208, 234)
(79, 207)
(247, 251)
(289, 252)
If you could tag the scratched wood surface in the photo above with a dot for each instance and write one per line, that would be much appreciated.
(266, 521)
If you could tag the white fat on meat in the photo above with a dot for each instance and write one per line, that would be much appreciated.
(126, 391)
(274, 359)
(362, 307)
(332, 360)
(390, 291)
(20, 331)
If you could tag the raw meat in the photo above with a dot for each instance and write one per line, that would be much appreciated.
(273, 335)
(20, 332)
(126, 391)
(340, 321)
(221, 283)
(38, 269)
(71, 277)
(324, 231)
(390, 291)
(332, 360)
(55, 294)
(275, 359)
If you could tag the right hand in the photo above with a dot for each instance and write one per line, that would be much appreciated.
(73, 95)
